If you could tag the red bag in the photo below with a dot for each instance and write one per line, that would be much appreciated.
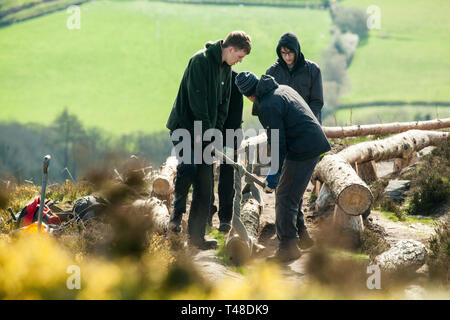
(30, 212)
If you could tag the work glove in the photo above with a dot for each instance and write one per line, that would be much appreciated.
(271, 182)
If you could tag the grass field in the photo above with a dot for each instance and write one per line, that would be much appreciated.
(122, 69)
(408, 58)
(385, 114)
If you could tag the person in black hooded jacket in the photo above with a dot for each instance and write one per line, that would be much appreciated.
(304, 76)
(300, 144)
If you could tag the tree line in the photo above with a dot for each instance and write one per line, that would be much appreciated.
(72, 146)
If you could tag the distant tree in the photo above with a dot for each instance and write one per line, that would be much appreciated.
(350, 19)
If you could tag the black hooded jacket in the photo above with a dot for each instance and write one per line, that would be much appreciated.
(305, 77)
(281, 107)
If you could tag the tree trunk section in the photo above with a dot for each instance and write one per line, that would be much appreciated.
(158, 211)
(350, 192)
(388, 128)
(349, 227)
(238, 250)
(399, 146)
(163, 183)
(367, 171)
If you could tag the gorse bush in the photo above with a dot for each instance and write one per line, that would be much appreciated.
(430, 186)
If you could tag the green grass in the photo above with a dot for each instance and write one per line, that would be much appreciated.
(122, 69)
(407, 59)
(384, 114)
(271, 2)
(221, 253)
(409, 219)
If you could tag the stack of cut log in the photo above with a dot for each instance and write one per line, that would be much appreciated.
(341, 178)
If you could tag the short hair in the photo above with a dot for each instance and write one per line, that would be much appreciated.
(238, 39)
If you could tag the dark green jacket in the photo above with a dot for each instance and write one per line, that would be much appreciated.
(204, 92)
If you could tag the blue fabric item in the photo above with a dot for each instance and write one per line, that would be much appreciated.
(272, 180)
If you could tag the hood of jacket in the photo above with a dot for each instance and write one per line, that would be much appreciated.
(290, 40)
(265, 85)
(214, 49)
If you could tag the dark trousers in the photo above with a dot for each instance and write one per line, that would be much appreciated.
(200, 177)
(294, 179)
(226, 194)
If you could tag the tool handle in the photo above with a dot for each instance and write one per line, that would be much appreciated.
(46, 163)
(237, 166)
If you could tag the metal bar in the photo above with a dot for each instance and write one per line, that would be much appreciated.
(44, 186)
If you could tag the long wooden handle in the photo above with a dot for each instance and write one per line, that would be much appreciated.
(237, 166)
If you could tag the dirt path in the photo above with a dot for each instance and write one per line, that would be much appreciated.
(214, 270)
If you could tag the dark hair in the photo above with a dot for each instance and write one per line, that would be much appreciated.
(239, 40)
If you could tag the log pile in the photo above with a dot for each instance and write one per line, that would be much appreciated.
(163, 184)
(158, 210)
(388, 128)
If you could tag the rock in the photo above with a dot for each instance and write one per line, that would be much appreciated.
(406, 255)
(396, 189)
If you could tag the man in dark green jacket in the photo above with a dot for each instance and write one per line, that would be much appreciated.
(203, 97)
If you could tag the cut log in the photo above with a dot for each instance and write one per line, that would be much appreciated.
(238, 249)
(399, 146)
(349, 228)
(347, 221)
(388, 128)
(364, 130)
(400, 163)
(163, 183)
(324, 199)
(367, 171)
(158, 211)
(350, 192)
(317, 187)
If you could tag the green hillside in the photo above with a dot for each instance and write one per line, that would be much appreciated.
(408, 58)
(122, 69)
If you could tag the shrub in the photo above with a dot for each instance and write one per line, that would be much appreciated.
(439, 257)
(349, 19)
(431, 185)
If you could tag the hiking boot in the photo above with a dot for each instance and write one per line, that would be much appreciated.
(204, 244)
(175, 222)
(304, 240)
(224, 227)
(286, 253)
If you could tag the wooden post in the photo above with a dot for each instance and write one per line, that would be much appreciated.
(400, 163)
(348, 226)
(367, 171)
(163, 183)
